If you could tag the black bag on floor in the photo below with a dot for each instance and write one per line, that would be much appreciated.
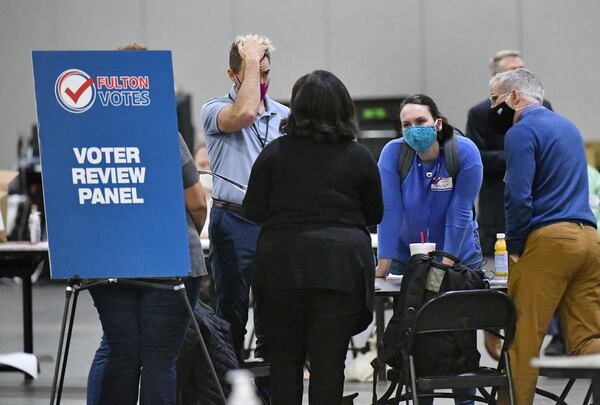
(437, 353)
(195, 385)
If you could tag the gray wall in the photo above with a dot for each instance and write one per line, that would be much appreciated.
(377, 47)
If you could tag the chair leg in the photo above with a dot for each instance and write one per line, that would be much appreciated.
(511, 388)
(567, 388)
(588, 396)
(388, 394)
(493, 394)
(547, 394)
(413, 380)
(484, 394)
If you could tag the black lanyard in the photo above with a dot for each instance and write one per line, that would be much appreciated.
(262, 141)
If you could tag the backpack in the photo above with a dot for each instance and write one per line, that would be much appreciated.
(435, 353)
(451, 156)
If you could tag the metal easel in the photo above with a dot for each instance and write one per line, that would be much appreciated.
(72, 290)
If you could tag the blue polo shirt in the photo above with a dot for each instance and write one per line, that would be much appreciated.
(546, 175)
(233, 154)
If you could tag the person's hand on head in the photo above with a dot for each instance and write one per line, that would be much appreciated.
(253, 48)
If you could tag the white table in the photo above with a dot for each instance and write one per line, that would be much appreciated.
(206, 243)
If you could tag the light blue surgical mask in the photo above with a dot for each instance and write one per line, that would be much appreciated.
(420, 137)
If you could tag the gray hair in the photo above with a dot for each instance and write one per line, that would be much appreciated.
(498, 56)
(521, 80)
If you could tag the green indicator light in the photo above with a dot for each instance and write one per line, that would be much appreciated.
(374, 113)
(380, 113)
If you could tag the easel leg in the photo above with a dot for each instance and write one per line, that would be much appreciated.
(62, 365)
(74, 287)
(68, 293)
(67, 346)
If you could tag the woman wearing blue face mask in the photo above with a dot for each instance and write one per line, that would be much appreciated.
(429, 199)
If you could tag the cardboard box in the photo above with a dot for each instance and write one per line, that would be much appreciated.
(6, 176)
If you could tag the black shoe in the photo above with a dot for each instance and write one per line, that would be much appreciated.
(556, 347)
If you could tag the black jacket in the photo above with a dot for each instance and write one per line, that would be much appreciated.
(314, 202)
(195, 384)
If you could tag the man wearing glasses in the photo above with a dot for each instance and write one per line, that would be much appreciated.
(491, 146)
(491, 196)
(551, 233)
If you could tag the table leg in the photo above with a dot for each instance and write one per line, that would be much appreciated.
(380, 327)
(27, 317)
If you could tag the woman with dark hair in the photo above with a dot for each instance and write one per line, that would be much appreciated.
(314, 191)
(431, 200)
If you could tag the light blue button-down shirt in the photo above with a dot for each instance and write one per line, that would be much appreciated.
(233, 154)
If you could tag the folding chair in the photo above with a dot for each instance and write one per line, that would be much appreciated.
(455, 311)
(561, 398)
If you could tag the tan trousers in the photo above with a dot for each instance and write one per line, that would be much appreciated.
(559, 270)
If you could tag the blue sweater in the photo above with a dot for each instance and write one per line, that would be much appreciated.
(420, 203)
(546, 175)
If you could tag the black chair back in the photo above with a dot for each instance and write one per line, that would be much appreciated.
(467, 310)
(455, 311)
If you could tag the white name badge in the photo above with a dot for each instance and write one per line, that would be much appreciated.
(441, 184)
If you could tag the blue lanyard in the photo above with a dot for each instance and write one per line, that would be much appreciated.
(429, 180)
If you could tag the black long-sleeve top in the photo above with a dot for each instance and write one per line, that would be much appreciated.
(315, 202)
(296, 181)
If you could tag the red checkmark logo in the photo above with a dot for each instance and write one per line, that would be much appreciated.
(75, 95)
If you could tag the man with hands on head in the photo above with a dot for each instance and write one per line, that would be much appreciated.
(237, 127)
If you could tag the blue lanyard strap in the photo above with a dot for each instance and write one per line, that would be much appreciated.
(429, 180)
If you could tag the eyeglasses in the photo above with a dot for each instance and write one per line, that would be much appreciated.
(494, 97)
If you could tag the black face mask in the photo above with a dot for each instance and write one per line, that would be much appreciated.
(500, 118)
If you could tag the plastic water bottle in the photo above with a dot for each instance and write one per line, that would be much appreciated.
(500, 258)
(35, 225)
(242, 388)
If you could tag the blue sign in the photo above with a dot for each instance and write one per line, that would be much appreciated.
(113, 191)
